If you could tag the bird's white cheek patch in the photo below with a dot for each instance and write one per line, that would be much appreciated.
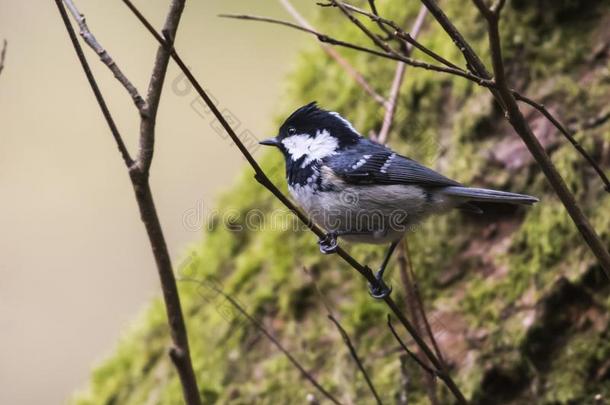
(313, 148)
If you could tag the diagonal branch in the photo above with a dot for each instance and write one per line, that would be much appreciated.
(306, 374)
(96, 90)
(374, 37)
(354, 354)
(155, 87)
(105, 56)
(330, 51)
(421, 363)
(345, 337)
(262, 178)
(567, 134)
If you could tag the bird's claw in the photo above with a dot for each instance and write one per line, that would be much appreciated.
(328, 244)
(380, 289)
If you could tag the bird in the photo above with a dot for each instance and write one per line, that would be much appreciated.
(362, 191)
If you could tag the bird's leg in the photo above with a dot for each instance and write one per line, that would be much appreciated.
(381, 290)
(328, 244)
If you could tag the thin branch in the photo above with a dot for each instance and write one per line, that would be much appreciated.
(3, 54)
(105, 56)
(399, 33)
(420, 304)
(258, 325)
(374, 37)
(568, 135)
(262, 178)
(96, 89)
(344, 336)
(330, 51)
(381, 26)
(423, 365)
(415, 306)
(354, 353)
(179, 353)
(155, 87)
(394, 56)
(399, 75)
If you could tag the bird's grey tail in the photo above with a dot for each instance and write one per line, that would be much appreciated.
(486, 195)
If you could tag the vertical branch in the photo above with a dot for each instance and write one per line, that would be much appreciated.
(388, 118)
(155, 87)
(416, 308)
(179, 353)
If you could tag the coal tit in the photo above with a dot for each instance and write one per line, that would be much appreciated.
(362, 191)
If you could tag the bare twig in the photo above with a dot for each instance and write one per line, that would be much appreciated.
(399, 33)
(399, 75)
(3, 54)
(381, 26)
(105, 56)
(306, 374)
(179, 353)
(567, 134)
(374, 37)
(420, 305)
(354, 353)
(416, 308)
(262, 178)
(394, 56)
(423, 365)
(96, 90)
(344, 336)
(330, 51)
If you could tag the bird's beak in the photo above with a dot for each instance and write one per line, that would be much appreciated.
(270, 142)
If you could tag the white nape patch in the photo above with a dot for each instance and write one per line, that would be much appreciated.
(361, 162)
(387, 163)
(346, 122)
(313, 148)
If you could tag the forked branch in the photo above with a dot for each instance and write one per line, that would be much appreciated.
(105, 56)
(139, 175)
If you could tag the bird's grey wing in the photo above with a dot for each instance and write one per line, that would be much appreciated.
(379, 165)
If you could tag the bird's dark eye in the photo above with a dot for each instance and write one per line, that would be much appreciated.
(292, 130)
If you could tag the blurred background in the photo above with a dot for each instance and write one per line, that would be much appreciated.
(75, 263)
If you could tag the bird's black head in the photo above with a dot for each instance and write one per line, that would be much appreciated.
(311, 133)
